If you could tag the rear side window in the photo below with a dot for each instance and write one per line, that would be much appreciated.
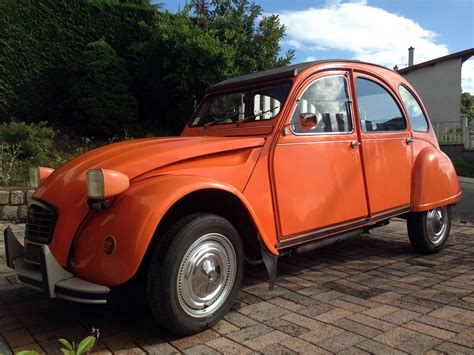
(415, 113)
(378, 111)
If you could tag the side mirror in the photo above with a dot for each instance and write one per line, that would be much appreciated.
(308, 121)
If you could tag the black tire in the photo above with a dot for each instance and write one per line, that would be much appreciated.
(167, 303)
(427, 234)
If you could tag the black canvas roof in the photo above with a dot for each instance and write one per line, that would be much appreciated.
(272, 74)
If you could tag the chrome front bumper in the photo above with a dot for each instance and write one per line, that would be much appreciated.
(49, 277)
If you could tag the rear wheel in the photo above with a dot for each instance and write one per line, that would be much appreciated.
(195, 274)
(429, 230)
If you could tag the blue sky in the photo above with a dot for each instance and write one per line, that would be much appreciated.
(378, 31)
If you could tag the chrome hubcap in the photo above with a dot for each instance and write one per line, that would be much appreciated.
(206, 275)
(437, 224)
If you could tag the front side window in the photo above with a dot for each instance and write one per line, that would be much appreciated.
(415, 113)
(252, 104)
(378, 111)
(324, 107)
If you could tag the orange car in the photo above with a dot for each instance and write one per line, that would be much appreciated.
(272, 163)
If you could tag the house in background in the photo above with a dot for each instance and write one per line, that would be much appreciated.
(438, 82)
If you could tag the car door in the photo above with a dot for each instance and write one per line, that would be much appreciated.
(317, 165)
(386, 146)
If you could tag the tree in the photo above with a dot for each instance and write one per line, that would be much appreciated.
(102, 102)
(240, 23)
(467, 104)
(207, 42)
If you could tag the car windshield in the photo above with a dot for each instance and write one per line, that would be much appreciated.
(250, 104)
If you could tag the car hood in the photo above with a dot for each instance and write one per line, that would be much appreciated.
(137, 157)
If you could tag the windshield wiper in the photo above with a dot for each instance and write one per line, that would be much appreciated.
(258, 114)
(220, 119)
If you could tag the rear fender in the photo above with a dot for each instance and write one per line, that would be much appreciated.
(435, 182)
(132, 221)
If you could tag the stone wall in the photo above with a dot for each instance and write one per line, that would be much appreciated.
(14, 203)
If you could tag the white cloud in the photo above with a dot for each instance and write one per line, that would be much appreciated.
(368, 33)
(468, 76)
(310, 59)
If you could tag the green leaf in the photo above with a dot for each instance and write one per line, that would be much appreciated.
(85, 345)
(66, 343)
(66, 351)
(27, 352)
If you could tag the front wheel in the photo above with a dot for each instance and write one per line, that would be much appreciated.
(429, 230)
(195, 274)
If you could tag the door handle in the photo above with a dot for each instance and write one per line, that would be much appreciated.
(409, 140)
(355, 144)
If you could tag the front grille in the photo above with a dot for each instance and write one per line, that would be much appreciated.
(39, 229)
(40, 224)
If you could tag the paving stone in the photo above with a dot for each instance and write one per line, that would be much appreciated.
(454, 314)
(223, 327)
(357, 328)
(340, 342)
(441, 323)
(374, 347)
(228, 346)
(286, 327)
(158, 347)
(333, 315)
(380, 311)
(353, 351)
(16, 338)
(249, 333)
(371, 322)
(303, 347)
(239, 320)
(193, 340)
(401, 316)
(263, 311)
(30, 347)
(267, 339)
(200, 350)
(452, 348)
(429, 330)
(419, 343)
(465, 338)
(395, 337)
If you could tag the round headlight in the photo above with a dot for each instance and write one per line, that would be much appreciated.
(38, 175)
(103, 184)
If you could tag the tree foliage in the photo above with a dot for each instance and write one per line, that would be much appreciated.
(467, 104)
(102, 102)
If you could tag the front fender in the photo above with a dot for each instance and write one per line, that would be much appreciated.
(435, 182)
(132, 220)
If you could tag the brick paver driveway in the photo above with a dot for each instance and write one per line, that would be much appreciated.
(372, 295)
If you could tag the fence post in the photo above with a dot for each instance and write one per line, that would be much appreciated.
(465, 132)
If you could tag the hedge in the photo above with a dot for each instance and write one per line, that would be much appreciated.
(41, 42)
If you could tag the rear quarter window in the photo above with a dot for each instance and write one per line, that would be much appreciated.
(417, 118)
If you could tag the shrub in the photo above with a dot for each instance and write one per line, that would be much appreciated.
(464, 167)
(24, 145)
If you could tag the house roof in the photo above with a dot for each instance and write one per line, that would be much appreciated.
(464, 55)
